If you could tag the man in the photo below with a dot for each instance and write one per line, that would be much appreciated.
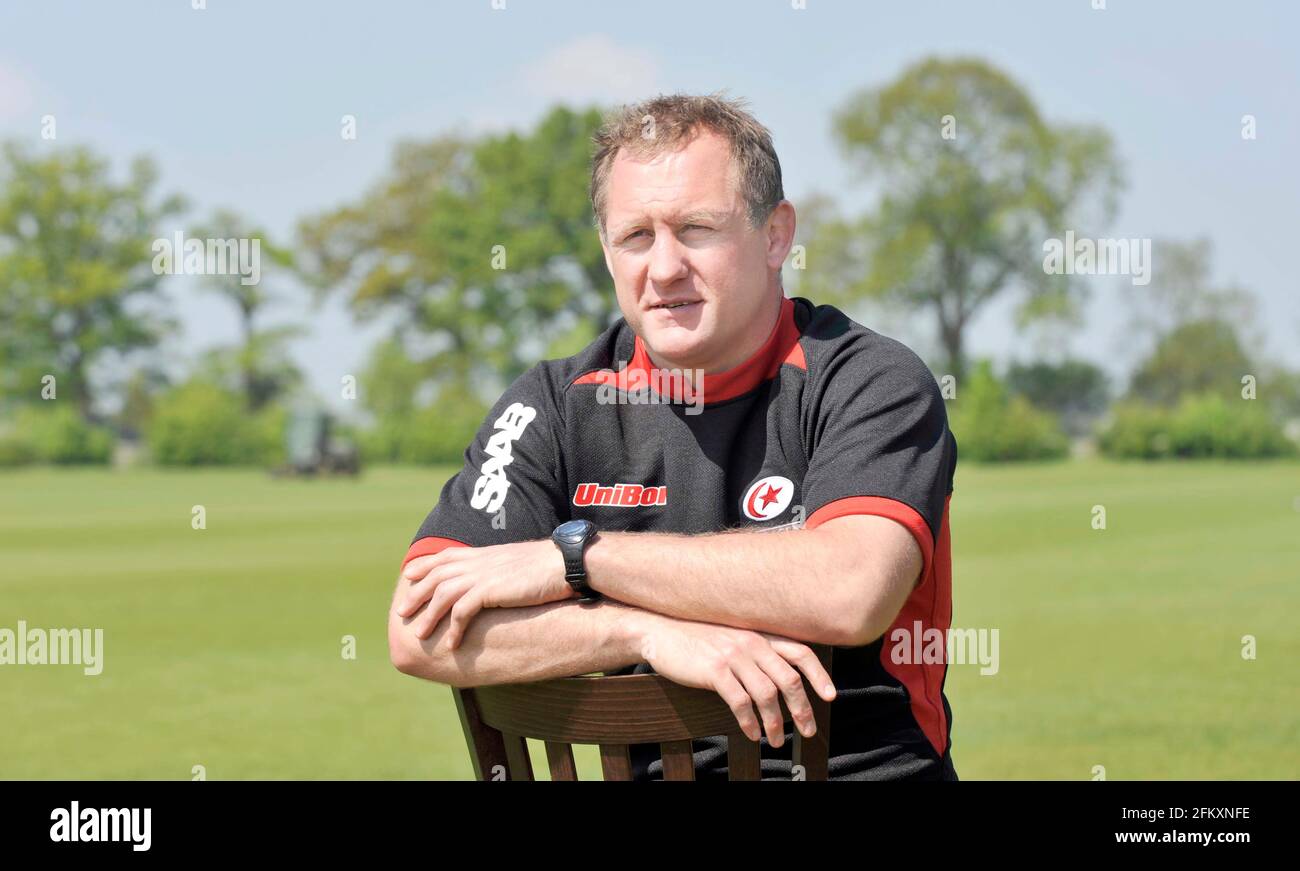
(716, 409)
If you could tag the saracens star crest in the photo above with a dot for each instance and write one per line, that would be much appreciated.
(767, 497)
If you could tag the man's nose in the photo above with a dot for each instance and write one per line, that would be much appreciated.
(667, 260)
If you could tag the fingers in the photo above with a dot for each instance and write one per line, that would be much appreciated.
(422, 565)
(421, 590)
(765, 667)
(442, 601)
(461, 613)
(736, 698)
(764, 693)
(802, 656)
(790, 685)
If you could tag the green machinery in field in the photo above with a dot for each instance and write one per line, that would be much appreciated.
(311, 449)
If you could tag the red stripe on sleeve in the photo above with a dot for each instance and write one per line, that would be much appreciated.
(881, 506)
(430, 545)
(929, 607)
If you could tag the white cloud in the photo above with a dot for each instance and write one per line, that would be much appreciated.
(593, 69)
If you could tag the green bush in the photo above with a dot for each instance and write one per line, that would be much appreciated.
(1202, 426)
(1136, 432)
(54, 433)
(15, 450)
(438, 433)
(202, 424)
(267, 436)
(1212, 426)
(991, 425)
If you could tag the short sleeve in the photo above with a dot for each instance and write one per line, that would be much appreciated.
(509, 488)
(881, 443)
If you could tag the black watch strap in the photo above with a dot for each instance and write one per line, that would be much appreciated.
(572, 539)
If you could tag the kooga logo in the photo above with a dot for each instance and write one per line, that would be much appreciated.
(92, 825)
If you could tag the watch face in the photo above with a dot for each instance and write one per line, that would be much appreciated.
(573, 529)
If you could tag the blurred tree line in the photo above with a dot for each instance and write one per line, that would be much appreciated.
(483, 256)
(480, 256)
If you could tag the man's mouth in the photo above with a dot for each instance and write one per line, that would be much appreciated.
(675, 305)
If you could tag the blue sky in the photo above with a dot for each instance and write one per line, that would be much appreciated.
(240, 105)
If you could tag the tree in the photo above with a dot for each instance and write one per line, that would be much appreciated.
(391, 382)
(410, 426)
(483, 253)
(1074, 390)
(140, 394)
(75, 268)
(972, 181)
(1203, 356)
(260, 364)
(1197, 328)
(1182, 291)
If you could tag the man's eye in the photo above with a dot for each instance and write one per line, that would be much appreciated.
(630, 236)
(695, 227)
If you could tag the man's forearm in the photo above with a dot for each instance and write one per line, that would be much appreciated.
(839, 584)
(517, 645)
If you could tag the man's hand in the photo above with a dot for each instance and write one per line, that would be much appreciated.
(464, 580)
(742, 666)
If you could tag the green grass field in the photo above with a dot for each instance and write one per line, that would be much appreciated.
(1118, 647)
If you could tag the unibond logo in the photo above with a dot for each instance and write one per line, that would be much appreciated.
(620, 495)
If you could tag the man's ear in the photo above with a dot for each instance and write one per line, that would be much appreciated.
(780, 234)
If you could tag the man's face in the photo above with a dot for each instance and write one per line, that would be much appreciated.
(676, 233)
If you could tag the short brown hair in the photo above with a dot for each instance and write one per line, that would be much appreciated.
(673, 121)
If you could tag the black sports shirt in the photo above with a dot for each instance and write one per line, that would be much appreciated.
(826, 419)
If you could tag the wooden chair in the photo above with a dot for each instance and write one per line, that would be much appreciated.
(614, 712)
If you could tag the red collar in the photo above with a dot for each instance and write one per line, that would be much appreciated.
(782, 346)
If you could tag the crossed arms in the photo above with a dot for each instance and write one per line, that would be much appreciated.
(731, 612)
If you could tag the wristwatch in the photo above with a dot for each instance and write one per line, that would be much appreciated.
(572, 538)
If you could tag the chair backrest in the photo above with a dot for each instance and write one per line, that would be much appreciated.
(614, 712)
